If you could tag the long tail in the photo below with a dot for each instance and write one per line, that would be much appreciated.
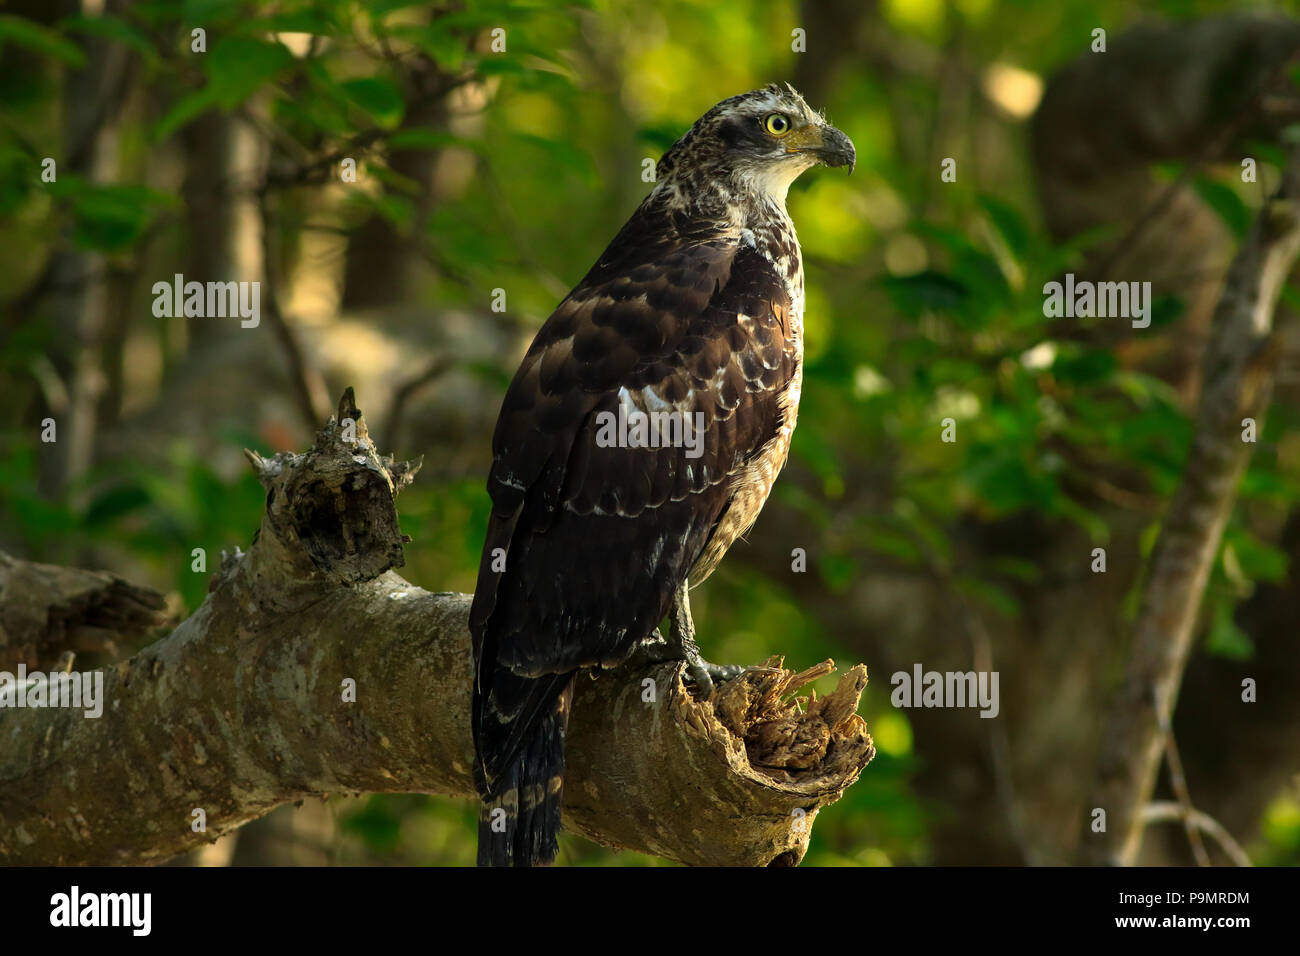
(521, 768)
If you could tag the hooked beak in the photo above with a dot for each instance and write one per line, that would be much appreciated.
(829, 145)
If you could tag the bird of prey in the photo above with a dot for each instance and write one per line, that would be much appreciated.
(638, 440)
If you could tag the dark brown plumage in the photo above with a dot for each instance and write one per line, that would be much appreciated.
(694, 312)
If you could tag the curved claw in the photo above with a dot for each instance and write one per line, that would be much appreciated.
(703, 682)
(706, 675)
(724, 672)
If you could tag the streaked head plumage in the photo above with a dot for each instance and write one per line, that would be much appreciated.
(756, 141)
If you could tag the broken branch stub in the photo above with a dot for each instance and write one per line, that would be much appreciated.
(333, 505)
(733, 781)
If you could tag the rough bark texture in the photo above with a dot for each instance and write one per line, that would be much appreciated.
(47, 611)
(242, 708)
(1238, 382)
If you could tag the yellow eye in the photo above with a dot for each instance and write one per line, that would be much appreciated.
(776, 123)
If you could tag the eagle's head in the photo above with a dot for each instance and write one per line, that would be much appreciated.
(752, 146)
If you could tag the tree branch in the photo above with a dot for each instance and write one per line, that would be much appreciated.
(242, 708)
(403, 393)
(47, 611)
(1238, 377)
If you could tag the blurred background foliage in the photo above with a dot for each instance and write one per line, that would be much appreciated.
(480, 169)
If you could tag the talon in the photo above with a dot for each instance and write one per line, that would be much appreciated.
(724, 672)
(703, 682)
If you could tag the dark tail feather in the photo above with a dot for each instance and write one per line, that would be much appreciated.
(519, 821)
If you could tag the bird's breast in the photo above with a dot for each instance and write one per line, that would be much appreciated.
(752, 482)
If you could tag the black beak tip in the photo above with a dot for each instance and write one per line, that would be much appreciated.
(841, 151)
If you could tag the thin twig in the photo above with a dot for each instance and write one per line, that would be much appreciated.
(1179, 782)
(403, 393)
(307, 384)
(1165, 811)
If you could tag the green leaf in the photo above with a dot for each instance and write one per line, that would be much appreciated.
(378, 824)
(323, 109)
(18, 173)
(1008, 222)
(894, 544)
(206, 13)
(1225, 638)
(1255, 559)
(112, 218)
(1006, 481)
(445, 47)
(116, 29)
(392, 179)
(838, 572)
(489, 373)
(398, 210)
(1021, 569)
(378, 97)
(238, 67)
(562, 153)
(996, 597)
(924, 292)
(1225, 201)
(431, 139)
(661, 135)
(1166, 309)
(115, 502)
(501, 66)
(42, 39)
(1084, 368)
(380, 7)
(184, 112)
(294, 21)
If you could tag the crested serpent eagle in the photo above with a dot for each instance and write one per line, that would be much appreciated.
(691, 319)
